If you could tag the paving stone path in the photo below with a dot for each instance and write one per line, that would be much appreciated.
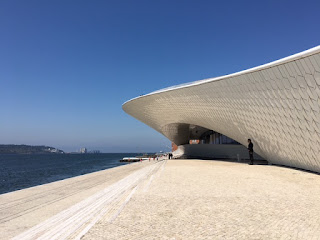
(195, 199)
(76, 221)
(29, 213)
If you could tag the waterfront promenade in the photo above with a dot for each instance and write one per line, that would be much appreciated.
(21, 210)
(174, 199)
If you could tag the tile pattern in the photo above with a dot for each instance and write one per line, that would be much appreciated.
(277, 106)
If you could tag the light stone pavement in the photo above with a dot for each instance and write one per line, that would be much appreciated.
(196, 199)
(21, 210)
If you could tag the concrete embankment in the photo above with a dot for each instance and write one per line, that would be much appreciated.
(26, 209)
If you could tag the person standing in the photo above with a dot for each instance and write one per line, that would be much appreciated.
(250, 149)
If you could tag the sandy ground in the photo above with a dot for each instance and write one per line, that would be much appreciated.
(23, 209)
(195, 199)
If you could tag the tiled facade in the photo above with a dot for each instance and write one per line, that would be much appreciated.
(277, 105)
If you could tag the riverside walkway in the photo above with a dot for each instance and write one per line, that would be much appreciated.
(174, 199)
(62, 209)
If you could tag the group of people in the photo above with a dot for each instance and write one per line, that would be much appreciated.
(154, 158)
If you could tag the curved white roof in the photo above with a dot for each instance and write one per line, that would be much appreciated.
(275, 104)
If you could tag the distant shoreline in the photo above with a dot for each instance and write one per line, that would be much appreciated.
(28, 149)
(38, 153)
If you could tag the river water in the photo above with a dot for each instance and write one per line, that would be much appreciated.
(19, 171)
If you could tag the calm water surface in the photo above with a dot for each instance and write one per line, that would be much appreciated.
(18, 171)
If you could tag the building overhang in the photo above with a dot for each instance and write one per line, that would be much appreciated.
(275, 104)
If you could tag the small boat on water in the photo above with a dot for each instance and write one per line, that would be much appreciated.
(133, 159)
(138, 158)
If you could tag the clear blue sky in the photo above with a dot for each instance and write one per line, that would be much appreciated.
(66, 67)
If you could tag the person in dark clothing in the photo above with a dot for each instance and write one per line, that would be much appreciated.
(250, 149)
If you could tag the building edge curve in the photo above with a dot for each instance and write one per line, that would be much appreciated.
(276, 104)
